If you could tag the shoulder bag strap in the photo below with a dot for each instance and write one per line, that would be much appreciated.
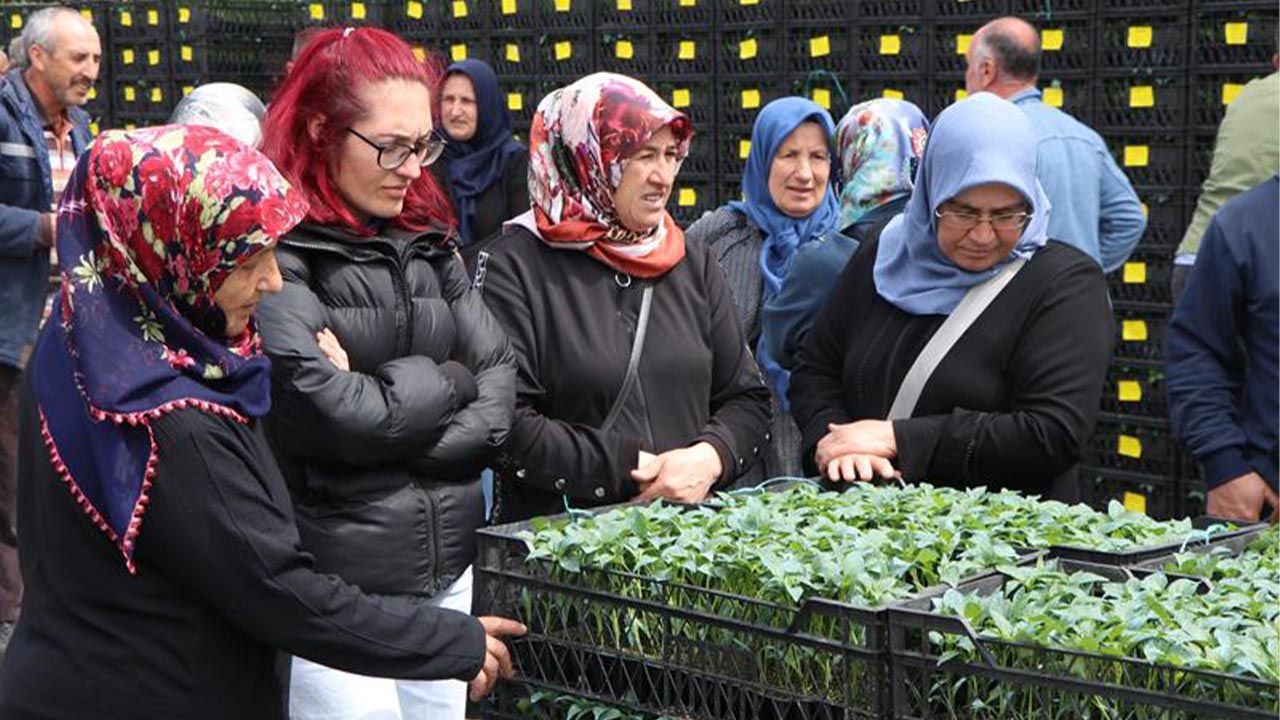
(971, 306)
(633, 364)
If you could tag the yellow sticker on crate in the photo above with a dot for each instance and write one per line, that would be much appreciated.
(747, 49)
(420, 53)
(187, 53)
(1129, 446)
(93, 128)
(460, 9)
(564, 6)
(130, 94)
(153, 17)
(961, 94)
(512, 53)
(317, 11)
(15, 21)
(87, 14)
(153, 57)
(624, 5)
(413, 10)
(188, 89)
(822, 96)
(688, 50)
(890, 44)
(744, 148)
(1146, 211)
(893, 94)
(1053, 96)
(509, 7)
(680, 98)
(564, 50)
(1135, 502)
(688, 197)
(1136, 155)
(126, 56)
(1142, 96)
(358, 11)
(1230, 91)
(750, 99)
(623, 50)
(1052, 39)
(688, 3)
(126, 18)
(157, 95)
(515, 101)
(458, 52)
(1237, 33)
(962, 43)
(1133, 330)
(1129, 391)
(184, 15)
(1135, 273)
(1139, 36)
(748, 2)
(93, 92)
(819, 46)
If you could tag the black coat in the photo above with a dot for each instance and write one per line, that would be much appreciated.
(571, 320)
(222, 585)
(500, 202)
(383, 461)
(1011, 405)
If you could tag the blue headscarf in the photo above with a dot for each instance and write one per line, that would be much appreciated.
(783, 233)
(478, 163)
(981, 139)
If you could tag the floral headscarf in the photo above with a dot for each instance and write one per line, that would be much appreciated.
(151, 224)
(880, 143)
(581, 138)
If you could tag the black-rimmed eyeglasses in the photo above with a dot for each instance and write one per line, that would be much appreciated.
(392, 156)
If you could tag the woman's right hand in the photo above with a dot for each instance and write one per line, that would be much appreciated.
(860, 466)
(497, 659)
(332, 349)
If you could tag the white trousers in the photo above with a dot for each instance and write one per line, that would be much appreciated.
(317, 692)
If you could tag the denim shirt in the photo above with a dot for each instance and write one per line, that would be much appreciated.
(1094, 206)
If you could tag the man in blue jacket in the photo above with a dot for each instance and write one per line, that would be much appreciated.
(42, 131)
(1223, 349)
(1094, 206)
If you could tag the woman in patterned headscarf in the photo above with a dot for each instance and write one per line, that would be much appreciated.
(595, 263)
(163, 567)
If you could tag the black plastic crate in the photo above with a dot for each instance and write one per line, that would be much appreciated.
(684, 51)
(140, 60)
(625, 51)
(1133, 447)
(1129, 7)
(741, 98)
(911, 89)
(831, 13)
(1144, 277)
(824, 88)
(695, 97)
(949, 44)
(512, 15)
(126, 120)
(1154, 160)
(892, 49)
(1151, 495)
(1211, 93)
(755, 50)
(1234, 38)
(1139, 332)
(139, 21)
(943, 91)
(229, 20)
(634, 15)
(729, 190)
(566, 55)
(522, 95)
(565, 14)
(1067, 43)
(733, 12)
(820, 47)
(692, 196)
(1149, 103)
(699, 165)
(525, 700)
(1070, 94)
(1023, 680)
(1137, 391)
(142, 97)
(1149, 40)
(1168, 214)
(513, 54)
(982, 10)
(1234, 544)
(227, 61)
(1199, 158)
(1048, 9)
(669, 14)
(734, 145)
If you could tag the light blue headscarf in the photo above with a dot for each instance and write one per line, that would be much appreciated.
(981, 139)
(783, 233)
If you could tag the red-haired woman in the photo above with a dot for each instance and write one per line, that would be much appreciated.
(391, 381)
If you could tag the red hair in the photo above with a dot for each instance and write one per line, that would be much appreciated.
(323, 82)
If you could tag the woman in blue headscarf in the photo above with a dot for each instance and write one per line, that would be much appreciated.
(487, 167)
(1012, 402)
(789, 201)
(879, 143)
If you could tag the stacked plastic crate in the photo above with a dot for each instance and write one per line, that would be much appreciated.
(751, 71)
(139, 55)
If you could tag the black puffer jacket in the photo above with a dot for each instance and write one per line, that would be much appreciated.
(383, 461)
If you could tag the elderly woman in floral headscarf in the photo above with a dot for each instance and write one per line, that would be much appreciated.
(162, 562)
(634, 377)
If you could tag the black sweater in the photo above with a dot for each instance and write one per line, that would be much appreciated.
(1011, 405)
(571, 322)
(222, 584)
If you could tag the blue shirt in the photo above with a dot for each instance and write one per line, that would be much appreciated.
(1223, 342)
(1094, 206)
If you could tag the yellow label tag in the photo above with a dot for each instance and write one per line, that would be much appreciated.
(623, 50)
(1135, 273)
(688, 3)
(515, 101)
(414, 10)
(419, 52)
(184, 15)
(961, 94)
(744, 148)
(688, 197)
(1142, 96)
(460, 9)
(819, 46)
(1052, 39)
(188, 89)
(126, 18)
(890, 44)
(1237, 33)
(564, 50)
(15, 21)
(1129, 391)
(187, 53)
(317, 11)
(513, 53)
(962, 44)
(1140, 36)
(822, 96)
(1053, 97)
(458, 51)
(680, 98)
(747, 49)
(126, 56)
(1136, 155)
(624, 5)
(748, 2)
(688, 50)
(750, 99)
(1230, 91)
(1146, 211)
(157, 95)
(893, 94)
(358, 11)
(1134, 330)
(93, 128)
(87, 14)
(130, 93)
(508, 7)
(563, 5)
(153, 57)
(153, 17)
(1129, 446)
(1135, 502)
(131, 126)
(93, 92)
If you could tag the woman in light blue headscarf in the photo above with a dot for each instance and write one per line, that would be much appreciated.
(1012, 402)
(788, 201)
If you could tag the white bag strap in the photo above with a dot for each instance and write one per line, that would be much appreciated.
(971, 306)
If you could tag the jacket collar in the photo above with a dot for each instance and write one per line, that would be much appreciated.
(334, 239)
(14, 92)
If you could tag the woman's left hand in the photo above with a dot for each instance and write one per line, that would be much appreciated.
(864, 437)
(856, 467)
(682, 475)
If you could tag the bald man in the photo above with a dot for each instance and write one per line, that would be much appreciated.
(1094, 206)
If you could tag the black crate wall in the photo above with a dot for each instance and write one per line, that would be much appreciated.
(1152, 76)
